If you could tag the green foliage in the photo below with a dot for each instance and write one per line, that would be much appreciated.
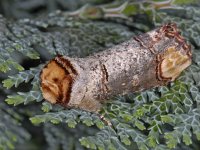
(10, 128)
(23, 76)
(160, 118)
(60, 136)
(71, 117)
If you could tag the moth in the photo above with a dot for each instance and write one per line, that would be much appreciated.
(149, 60)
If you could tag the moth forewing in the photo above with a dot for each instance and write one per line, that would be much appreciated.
(149, 60)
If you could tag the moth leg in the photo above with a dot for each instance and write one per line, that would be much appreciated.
(105, 120)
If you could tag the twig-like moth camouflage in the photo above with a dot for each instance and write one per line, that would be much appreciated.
(148, 60)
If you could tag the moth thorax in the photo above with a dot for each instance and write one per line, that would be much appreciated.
(172, 64)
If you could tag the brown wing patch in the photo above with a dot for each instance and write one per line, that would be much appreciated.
(56, 82)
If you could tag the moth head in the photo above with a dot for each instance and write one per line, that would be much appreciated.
(173, 63)
(56, 80)
(175, 58)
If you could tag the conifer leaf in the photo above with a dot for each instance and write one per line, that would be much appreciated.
(8, 83)
(46, 106)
